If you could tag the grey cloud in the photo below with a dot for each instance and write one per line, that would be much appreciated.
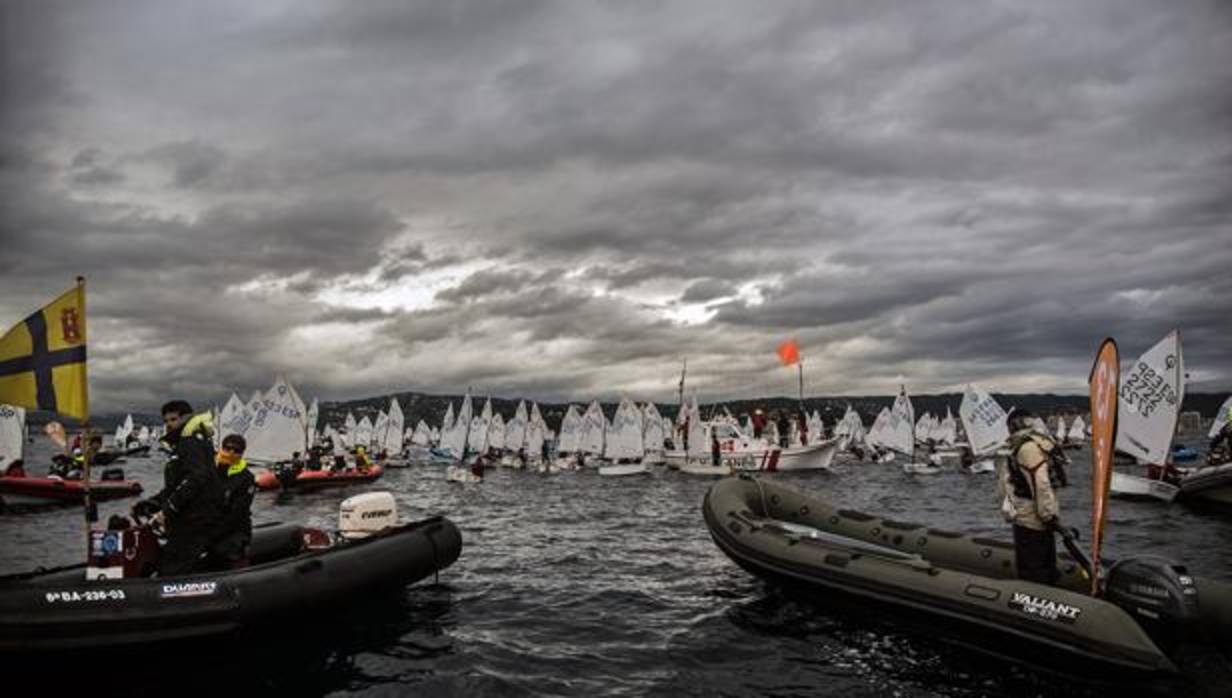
(191, 162)
(945, 192)
(707, 290)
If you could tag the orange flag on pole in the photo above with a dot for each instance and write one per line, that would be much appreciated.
(1104, 380)
(789, 352)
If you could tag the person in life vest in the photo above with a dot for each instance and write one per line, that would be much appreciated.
(190, 503)
(1028, 499)
(233, 535)
(1220, 451)
(361, 459)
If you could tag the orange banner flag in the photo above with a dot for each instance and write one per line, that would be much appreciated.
(1104, 381)
(789, 352)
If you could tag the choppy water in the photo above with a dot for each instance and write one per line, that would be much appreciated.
(574, 584)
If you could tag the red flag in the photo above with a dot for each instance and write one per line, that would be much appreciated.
(789, 352)
(1105, 376)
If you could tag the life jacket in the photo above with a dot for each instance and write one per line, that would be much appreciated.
(1055, 461)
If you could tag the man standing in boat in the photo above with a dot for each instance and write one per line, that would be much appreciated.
(1029, 501)
(190, 503)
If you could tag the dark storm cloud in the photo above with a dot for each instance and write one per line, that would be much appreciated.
(541, 197)
(190, 162)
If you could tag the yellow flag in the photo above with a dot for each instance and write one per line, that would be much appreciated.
(43, 358)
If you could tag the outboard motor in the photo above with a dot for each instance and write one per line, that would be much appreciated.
(112, 474)
(365, 515)
(1159, 594)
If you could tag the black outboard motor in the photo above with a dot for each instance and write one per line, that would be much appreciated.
(1159, 594)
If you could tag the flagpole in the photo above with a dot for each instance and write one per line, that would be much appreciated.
(91, 510)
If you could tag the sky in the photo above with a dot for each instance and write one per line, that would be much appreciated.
(565, 200)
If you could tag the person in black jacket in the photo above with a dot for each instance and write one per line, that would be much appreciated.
(190, 503)
(234, 532)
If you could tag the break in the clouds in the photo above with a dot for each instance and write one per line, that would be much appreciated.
(564, 199)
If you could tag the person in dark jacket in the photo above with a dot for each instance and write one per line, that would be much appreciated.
(190, 503)
(784, 430)
(716, 450)
(234, 531)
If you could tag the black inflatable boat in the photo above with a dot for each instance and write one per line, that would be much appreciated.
(966, 589)
(294, 571)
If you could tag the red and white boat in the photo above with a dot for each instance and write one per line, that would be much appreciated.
(740, 451)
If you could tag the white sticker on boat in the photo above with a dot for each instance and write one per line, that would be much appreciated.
(79, 596)
(1044, 608)
(184, 589)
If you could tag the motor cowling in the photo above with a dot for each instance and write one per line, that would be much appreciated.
(1159, 593)
(366, 514)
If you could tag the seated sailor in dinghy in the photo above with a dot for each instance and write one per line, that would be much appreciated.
(190, 503)
(232, 536)
(1028, 500)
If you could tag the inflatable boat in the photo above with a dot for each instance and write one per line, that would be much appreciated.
(27, 491)
(286, 478)
(966, 588)
(294, 572)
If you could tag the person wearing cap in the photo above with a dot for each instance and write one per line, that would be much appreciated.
(233, 534)
(190, 504)
(1029, 500)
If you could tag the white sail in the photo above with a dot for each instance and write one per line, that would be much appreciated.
(422, 435)
(594, 425)
(497, 432)
(349, 426)
(447, 422)
(876, 433)
(314, 414)
(653, 435)
(947, 429)
(363, 433)
(816, 427)
(123, 429)
(380, 430)
(12, 434)
(1222, 416)
(699, 446)
(1077, 431)
(454, 432)
(570, 438)
(623, 439)
(395, 431)
(277, 429)
(899, 434)
(515, 430)
(536, 432)
(1150, 401)
(234, 418)
(477, 439)
(984, 421)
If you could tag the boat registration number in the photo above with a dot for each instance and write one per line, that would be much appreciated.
(79, 596)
